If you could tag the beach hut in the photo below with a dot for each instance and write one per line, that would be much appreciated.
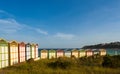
(44, 54)
(110, 52)
(75, 53)
(21, 52)
(33, 51)
(13, 53)
(4, 53)
(36, 50)
(52, 54)
(60, 53)
(82, 53)
(102, 52)
(28, 51)
(67, 53)
(116, 52)
(95, 51)
(89, 52)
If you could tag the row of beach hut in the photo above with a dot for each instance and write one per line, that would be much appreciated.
(49, 54)
(13, 52)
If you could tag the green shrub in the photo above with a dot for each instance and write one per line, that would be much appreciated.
(84, 65)
(90, 61)
(60, 63)
(30, 60)
(111, 61)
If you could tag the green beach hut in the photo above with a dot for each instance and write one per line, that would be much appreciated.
(82, 53)
(4, 60)
(52, 54)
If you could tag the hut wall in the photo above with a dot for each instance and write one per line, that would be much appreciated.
(44, 54)
(21, 52)
(33, 51)
(75, 54)
(68, 54)
(52, 54)
(60, 53)
(4, 56)
(28, 52)
(89, 53)
(82, 54)
(13, 53)
(36, 50)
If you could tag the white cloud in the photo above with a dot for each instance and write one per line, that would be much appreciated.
(64, 36)
(41, 31)
(9, 26)
(38, 30)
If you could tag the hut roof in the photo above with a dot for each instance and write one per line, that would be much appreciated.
(82, 50)
(44, 50)
(21, 43)
(33, 44)
(67, 50)
(60, 50)
(88, 50)
(95, 50)
(28, 44)
(36, 44)
(52, 50)
(74, 49)
(13, 43)
(3, 41)
(103, 50)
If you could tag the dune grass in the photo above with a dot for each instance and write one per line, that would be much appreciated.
(57, 66)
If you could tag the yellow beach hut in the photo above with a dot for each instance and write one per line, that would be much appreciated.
(33, 51)
(102, 52)
(75, 53)
(44, 54)
(13, 53)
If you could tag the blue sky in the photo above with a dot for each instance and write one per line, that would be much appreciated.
(60, 23)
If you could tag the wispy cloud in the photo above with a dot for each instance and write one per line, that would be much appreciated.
(64, 36)
(38, 30)
(41, 31)
(9, 26)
